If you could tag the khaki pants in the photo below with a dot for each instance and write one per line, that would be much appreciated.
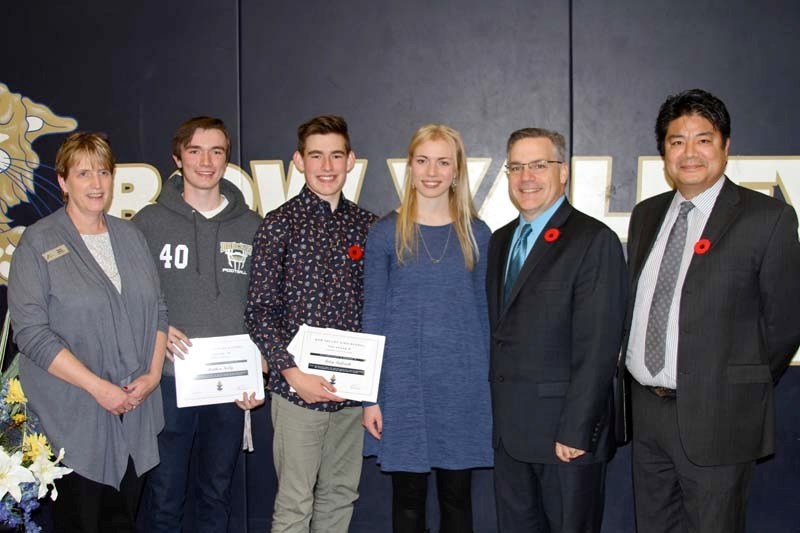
(318, 460)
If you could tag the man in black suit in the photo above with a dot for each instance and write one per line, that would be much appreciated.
(556, 284)
(715, 276)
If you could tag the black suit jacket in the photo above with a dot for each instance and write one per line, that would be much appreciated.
(738, 328)
(554, 346)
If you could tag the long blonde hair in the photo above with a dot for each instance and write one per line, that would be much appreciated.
(462, 210)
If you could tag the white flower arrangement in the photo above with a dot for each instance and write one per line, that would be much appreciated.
(28, 470)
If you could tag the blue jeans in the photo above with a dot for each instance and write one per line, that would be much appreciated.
(213, 434)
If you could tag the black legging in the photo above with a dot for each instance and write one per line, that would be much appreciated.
(409, 495)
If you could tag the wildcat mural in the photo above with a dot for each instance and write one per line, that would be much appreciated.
(22, 121)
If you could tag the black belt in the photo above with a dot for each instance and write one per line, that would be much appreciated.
(661, 392)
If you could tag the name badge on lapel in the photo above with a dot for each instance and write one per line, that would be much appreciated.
(59, 251)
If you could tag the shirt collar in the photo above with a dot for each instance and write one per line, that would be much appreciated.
(317, 204)
(543, 218)
(703, 202)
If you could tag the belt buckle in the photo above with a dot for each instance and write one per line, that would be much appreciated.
(662, 392)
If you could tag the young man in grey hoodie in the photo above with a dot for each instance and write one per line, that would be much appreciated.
(200, 234)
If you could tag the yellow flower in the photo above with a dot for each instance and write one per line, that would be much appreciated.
(15, 394)
(35, 445)
(19, 418)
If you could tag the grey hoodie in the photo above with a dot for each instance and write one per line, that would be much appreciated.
(204, 264)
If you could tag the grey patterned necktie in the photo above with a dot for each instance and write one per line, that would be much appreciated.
(518, 255)
(655, 344)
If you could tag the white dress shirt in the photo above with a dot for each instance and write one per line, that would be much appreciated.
(696, 220)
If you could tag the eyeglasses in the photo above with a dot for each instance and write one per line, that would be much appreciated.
(537, 167)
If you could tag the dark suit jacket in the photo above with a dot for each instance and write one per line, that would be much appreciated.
(554, 346)
(738, 327)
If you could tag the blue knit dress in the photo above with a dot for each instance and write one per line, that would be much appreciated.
(434, 390)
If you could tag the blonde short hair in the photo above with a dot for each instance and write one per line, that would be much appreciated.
(81, 144)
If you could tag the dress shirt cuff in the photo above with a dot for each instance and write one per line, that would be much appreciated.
(281, 360)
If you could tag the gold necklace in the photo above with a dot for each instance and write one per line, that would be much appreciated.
(425, 245)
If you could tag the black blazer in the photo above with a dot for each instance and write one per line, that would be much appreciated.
(554, 346)
(737, 327)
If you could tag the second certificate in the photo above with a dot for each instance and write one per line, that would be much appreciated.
(350, 361)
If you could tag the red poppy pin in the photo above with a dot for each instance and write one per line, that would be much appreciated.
(355, 252)
(702, 246)
(552, 235)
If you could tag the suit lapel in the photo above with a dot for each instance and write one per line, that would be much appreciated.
(726, 210)
(650, 224)
(540, 251)
(497, 267)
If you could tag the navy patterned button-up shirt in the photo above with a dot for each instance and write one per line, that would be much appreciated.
(303, 270)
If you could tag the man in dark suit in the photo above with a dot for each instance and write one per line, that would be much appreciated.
(715, 276)
(556, 284)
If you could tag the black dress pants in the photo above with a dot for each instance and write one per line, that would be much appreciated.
(672, 494)
(548, 498)
(85, 506)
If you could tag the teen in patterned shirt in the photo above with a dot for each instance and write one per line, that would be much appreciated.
(306, 268)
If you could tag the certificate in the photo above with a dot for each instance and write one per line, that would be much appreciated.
(350, 361)
(218, 370)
